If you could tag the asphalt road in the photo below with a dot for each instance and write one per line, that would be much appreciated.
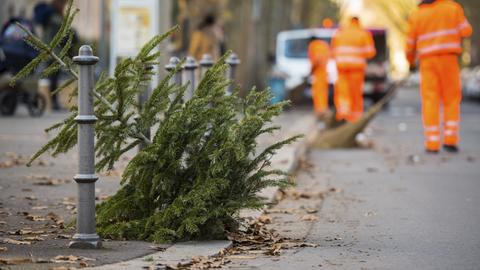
(395, 206)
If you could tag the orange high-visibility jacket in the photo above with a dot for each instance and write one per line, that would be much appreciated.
(437, 28)
(318, 53)
(352, 46)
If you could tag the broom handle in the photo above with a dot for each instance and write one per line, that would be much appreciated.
(390, 92)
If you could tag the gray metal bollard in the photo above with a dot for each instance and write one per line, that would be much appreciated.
(190, 66)
(142, 99)
(172, 64)
(233, 62)
(86, 236)
(205, 63)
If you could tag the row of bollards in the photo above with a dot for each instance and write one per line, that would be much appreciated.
(86, 236)
(190, 67)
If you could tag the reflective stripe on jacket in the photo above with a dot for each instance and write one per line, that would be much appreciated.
(352, 46)
(437, 28)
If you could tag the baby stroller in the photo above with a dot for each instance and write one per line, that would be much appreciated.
(15, 53)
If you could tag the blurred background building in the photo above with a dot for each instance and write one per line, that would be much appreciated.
(249, 27)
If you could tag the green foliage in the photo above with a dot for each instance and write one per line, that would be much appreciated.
(62, 41)
(200, 170)
(200, 167)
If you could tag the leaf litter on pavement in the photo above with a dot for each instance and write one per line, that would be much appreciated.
(59, 259)
(255, 238)
(45, 180)
(15, 159)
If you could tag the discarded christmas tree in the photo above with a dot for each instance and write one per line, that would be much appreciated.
(199, 168)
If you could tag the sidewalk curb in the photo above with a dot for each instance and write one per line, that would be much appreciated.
(178, 253)
(287, 159)
(297, 151)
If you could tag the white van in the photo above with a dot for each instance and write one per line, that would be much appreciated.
(292, 59)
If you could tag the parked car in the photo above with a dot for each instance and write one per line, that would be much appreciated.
(471, 82)
(291, 58)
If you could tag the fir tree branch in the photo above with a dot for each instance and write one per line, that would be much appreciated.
(49, 51)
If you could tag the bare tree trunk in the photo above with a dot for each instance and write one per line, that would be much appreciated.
(472, 7)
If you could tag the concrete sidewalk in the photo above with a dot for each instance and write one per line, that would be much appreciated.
(395, 207)
(402, 208)
(36, 203)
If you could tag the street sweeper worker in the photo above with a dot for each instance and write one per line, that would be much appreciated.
(352, 46)
(319, 54)
(435, 33)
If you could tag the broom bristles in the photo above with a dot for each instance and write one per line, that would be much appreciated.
(343, 136)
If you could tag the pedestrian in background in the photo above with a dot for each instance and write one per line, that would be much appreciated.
(207, 39)
(319, 54)
(49, 17)
(352, 46)
(332, 73)
(435, 35)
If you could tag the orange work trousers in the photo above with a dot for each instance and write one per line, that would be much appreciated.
(320, 90)
(440, 86)
(348, 96)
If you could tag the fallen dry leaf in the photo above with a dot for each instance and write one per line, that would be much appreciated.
(241, 257)
(266, 219)
(14, 260)
(296, 194)
(70, 259)
(33, 238)
(63, 236)
(25, 231)
(41, 162)
(16, 242)
(274, 250)
(44, 180)
(201, 263)
(37, 177)
(6, 164)
(56, 218)
(113, 173)
(305, 165)
(309, 218)
(51, 182)
(279, 211)
(159, 248)
(101, 197)
(69, 202)
(334, 190)
(64, 268)
(14, 159)
(35, 217)
(288, 245)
